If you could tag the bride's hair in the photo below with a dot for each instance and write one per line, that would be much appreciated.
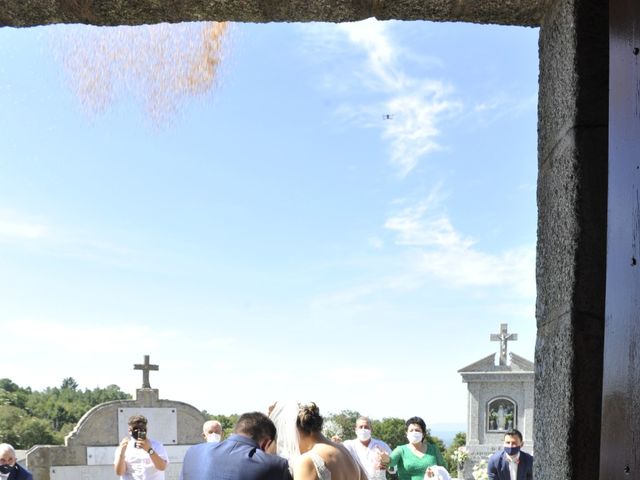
(309, 418)
(291, 418)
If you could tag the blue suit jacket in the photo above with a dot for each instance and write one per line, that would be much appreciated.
(19, 473)
(498, 466)
(236, 458)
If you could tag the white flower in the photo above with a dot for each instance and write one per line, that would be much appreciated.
(480, 471)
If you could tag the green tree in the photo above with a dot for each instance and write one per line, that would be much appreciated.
(342, 424)
(31, 431)
(69, 384)
(458, 441)
(227, 421)
(390, 430)
(57, 410)
(10, 416)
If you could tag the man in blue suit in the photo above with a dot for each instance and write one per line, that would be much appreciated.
(511, 463)
(242, 456)
(9, 468)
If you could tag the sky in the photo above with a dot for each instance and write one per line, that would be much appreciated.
(345, 216)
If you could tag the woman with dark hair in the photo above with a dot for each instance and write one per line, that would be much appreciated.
(418, 459)
(311, 455)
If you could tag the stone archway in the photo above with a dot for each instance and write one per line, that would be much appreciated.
(572, 181)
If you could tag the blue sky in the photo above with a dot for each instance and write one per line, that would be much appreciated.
(344, 217)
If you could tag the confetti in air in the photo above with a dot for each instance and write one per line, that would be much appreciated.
(159, 65)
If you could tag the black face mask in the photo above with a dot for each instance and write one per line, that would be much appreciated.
(4, 469)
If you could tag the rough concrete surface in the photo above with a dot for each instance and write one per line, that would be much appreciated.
(25, 13)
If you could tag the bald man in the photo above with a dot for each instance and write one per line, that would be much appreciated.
(212, 431)
(9, 469)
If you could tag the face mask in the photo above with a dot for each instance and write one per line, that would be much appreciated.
(363, 434)
(5, 469)
(213, 437)
(511, 451)
(414, 437)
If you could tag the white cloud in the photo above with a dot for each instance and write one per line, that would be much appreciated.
(411, 108)
(13, 227)
(449, 255)
(503, 104)
(373, 37)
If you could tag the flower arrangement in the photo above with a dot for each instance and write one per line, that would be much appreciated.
(480, 471)
(460, 456)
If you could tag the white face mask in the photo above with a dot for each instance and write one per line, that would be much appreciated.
(213, 437)
(414, 437)
(363, 434)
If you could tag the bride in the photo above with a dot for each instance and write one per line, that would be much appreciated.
(311, 455)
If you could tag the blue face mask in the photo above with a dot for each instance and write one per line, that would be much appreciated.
(511, 451)
(4, 469)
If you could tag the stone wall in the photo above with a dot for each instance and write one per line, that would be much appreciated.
(571, 257)
(89, 449)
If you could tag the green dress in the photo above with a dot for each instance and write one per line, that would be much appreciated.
(412, 467)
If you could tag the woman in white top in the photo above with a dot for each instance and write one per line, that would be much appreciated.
(311, 455)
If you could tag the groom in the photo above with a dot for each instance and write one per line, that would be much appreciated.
(242, 456)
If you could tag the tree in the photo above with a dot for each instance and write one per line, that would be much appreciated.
(227, 421)
(69, 384)
(458, 441)
(342, 424)
(57, 411)
(390, 430)
(10, 416)
(32, 431)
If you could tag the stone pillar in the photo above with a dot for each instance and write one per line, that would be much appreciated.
(572, 201)
(473, 432)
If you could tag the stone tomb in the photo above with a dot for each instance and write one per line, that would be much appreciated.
(89, 449)
(500, 398)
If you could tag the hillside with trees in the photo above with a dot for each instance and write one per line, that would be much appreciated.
(44, 417)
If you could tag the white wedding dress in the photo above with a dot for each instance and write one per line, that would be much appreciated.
(284, 417)
(321, 469)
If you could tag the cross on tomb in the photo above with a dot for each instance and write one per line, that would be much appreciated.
(503, 337)
(145, 367)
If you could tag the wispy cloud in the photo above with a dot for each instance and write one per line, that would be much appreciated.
(13, 227)
(410, 109)
(500, 105)
(449, 255)
(25, 229)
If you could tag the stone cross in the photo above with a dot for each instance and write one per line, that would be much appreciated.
(503, 337)
(145, 367)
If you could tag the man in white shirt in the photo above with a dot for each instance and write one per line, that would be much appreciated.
(212, 431)
(139, 457)
(366, 449)
(511, 463)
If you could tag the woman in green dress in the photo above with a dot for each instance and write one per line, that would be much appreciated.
(414, 460)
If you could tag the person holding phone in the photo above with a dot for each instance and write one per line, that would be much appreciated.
(139, 457)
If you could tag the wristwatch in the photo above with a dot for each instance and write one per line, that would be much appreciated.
(151, 451)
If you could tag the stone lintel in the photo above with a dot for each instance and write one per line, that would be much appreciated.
(28, 13)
